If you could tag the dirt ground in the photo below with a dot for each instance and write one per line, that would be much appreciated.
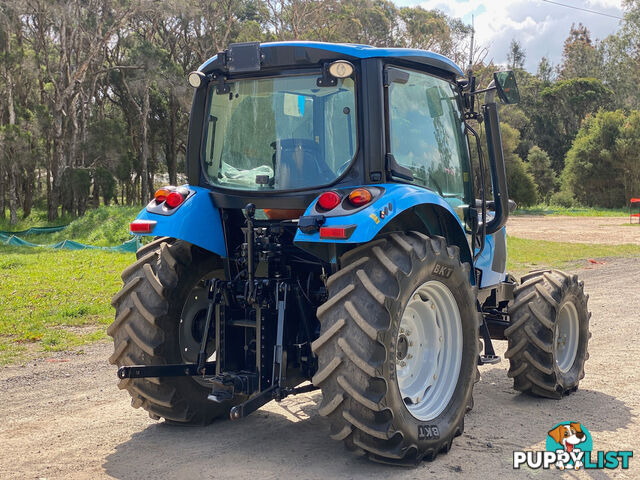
(65, 418)
(608, 230)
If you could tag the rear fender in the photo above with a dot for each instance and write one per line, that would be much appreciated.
(196, 221)
(400, 208)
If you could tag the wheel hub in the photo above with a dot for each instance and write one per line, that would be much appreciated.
(566, 335)
(403, 347)
(192, 323)
(429, 350)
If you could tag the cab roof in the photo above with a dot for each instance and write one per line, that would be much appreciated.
(311, 51)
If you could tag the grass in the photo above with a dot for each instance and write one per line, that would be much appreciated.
(55, 300)
(38, 218)
(556, 210)
(103, 226)
(526, 255)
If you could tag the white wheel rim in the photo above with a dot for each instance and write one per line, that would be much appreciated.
(429, 350)
(565, 341)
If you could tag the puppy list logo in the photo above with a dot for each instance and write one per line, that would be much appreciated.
(570, 446)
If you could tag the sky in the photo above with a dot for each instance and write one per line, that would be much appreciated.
(540, 27)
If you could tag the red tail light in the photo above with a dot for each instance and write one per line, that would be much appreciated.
(142, 226)
(174, 199)
(328, 200)
(359, 197)
(338, 232)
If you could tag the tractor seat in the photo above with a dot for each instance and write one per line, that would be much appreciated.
(298, 163)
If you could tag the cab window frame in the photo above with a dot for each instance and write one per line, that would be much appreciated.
(464, 148)
(304, 71)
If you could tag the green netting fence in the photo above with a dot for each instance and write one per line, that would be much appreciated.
(11, 239)
(35, 230)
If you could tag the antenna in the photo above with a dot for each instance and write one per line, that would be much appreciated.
(473, 32)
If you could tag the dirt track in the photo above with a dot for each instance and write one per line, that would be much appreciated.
(67, 419)
(608, 230)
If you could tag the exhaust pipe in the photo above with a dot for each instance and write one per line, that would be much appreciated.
(496, 162)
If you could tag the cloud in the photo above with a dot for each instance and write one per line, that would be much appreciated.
(540, 27)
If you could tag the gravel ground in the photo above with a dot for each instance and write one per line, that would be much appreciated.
(608, 230)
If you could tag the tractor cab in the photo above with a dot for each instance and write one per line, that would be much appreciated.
(277, 125)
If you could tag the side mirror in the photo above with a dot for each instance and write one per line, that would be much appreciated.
(434, 102)
(506, 87)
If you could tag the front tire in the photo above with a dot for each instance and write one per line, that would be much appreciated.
(370, 402)
(149, 329)
(549, 334)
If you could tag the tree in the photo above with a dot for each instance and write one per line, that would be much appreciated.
(628, 155)
(516, 55)
(580, 58)
(520, 183)
(545, 71)
(432, 30)
(94, 92)
(539, 166)
(599, 160)
(621, 62)
(561, 110)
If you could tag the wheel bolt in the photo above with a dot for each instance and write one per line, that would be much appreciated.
(409, 356)
(403, 364)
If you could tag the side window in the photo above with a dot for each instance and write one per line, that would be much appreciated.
(427, 135)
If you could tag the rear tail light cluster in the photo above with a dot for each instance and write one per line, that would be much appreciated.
(171, 196)
(356, 198)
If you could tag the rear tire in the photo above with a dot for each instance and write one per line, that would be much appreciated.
(146, 329)
(549, 334)
(361, 344)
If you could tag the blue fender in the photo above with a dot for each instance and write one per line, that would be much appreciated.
(371, 220)
(196, 221)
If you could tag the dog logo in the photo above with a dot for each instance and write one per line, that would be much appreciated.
(570, 446)
(570, 436)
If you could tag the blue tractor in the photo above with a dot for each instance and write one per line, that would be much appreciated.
(335, 234)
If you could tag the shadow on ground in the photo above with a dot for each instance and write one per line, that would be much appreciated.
(290, 439)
